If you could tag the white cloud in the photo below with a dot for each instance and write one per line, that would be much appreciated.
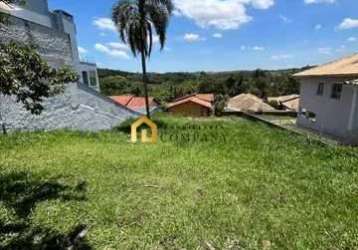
(352, 39)
(325, 50)
(348, 23)
(258, 48)
(285, 19)
(341, 48)
(218, 35)
(220, 14)
(118, 46)
(318, 27)
(254, 48)
(104, 23)
(191, 37)
(113, 50)
(82, 50)
(260, 4)
(319, 1)
(281, 57)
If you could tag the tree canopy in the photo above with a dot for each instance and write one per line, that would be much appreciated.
(24, 74)
(168, 86)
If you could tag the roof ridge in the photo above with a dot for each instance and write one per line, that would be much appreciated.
(338, 59)
(330, 63)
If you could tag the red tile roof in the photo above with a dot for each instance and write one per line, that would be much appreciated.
(193, 99)
(206, 97)
(123, 99)
(134, 102)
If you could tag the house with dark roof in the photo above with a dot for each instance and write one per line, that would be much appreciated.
(137, 103)
(195, 105)
(329, 99)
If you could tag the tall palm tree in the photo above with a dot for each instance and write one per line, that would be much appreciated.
(135, 21)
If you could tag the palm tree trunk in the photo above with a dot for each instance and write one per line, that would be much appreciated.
(145, 82)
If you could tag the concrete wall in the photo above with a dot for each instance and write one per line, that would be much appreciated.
(38, 6)
(332, 115)
(35, 11)
(65, 23)
(190, 109)
(53, 46)
(79, 108)
(34, 20)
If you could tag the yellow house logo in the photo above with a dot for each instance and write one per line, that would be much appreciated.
(153, 138)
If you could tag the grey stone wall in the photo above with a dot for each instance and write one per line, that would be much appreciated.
(54, 46)
(79, 108)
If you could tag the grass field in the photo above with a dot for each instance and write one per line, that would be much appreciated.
(224, 184)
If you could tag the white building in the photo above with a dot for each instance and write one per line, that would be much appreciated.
(61, 25)
(329, 102)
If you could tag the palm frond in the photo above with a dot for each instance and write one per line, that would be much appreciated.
(168, 4)
(136, 19)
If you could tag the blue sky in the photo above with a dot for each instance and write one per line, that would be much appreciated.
(217, 35)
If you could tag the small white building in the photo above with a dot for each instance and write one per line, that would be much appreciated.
(329, 96)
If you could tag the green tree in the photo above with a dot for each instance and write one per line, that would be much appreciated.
(25, 76)
(135, 20)
(220, 104)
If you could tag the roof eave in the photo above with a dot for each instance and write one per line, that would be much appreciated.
(325, 75)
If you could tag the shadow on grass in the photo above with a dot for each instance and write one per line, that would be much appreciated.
(20, 193)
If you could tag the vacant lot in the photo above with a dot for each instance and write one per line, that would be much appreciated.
(237, 185)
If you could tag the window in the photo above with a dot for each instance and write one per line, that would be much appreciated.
(93, 78)
(320, 89)
(337, 91)
(85, 77)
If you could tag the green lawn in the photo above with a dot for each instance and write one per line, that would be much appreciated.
(237, 185)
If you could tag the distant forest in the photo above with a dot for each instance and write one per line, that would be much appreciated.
(168, 86)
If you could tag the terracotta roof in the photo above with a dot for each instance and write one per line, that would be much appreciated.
(134, 102)
(347, 66)
(123, 99)
(205, 97)
(192, 99)
(248, 102)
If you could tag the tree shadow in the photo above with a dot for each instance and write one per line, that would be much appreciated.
(20, 193)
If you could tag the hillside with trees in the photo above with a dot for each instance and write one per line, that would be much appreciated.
(168, 86)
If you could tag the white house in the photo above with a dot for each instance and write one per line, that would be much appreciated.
(329, 99)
